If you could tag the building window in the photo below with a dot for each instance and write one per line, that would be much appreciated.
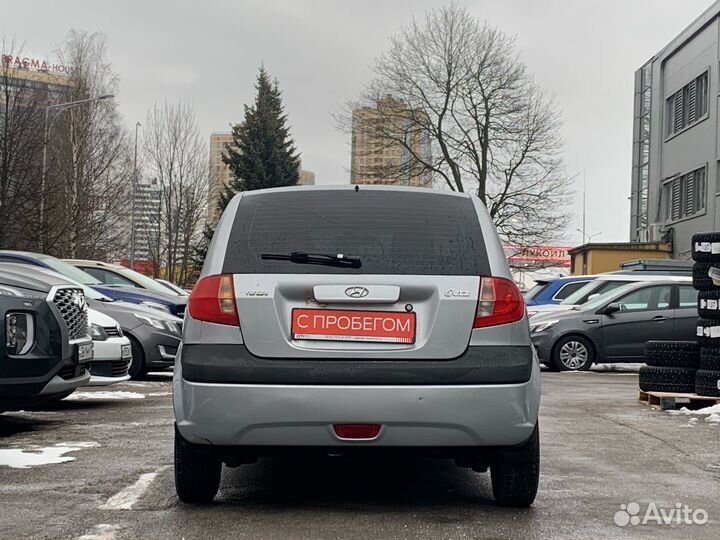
(687, 106)
(684, 195)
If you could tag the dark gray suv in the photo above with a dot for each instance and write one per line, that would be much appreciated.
(356, 319)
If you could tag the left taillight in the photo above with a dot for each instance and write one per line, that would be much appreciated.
(499, 302)
(213, 300)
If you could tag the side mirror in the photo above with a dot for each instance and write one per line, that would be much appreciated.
(612, 307)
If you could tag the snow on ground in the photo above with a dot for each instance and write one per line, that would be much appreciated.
(621, 367)
(19, 458)
(85, 396)
(713, 414)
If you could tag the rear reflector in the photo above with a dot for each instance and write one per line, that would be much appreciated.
(213, 300)
(357, 431)
(499, 302)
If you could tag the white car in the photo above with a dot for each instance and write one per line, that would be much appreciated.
(113, 352)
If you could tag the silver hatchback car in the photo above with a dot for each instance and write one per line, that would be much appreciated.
(351, 319)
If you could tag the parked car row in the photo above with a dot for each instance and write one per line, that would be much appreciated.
(60, 330)
(611, 317)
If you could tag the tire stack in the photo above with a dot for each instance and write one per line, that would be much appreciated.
(706, 254)
(672, 366)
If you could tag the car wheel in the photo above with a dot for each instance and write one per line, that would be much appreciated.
(573, 353)
(197, 471)
(515, 473)
(667, 379)
(684, 354)
(137, 365)
(707, 383)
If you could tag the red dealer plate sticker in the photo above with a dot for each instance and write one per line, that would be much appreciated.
(352, 325)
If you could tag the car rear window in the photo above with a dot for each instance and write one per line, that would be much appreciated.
(392, 232)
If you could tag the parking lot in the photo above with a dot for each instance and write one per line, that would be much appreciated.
(600, 448)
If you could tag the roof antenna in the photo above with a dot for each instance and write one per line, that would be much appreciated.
(357, 188)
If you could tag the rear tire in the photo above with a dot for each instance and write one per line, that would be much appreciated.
(515, 473)
(197, 471)
(137, 367)
(573, 353)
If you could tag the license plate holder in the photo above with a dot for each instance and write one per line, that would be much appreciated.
(84, 352)
(126, 351)
(368, 326)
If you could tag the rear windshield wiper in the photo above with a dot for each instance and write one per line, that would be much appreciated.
(324, 259)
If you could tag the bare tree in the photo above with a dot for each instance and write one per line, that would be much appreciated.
(22, 103)
(491, 130)
(176, 155)
(90, 170)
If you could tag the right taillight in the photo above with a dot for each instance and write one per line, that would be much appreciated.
(499, 302)
(213, 300)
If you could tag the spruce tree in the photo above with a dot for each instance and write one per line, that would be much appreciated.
(263, 154)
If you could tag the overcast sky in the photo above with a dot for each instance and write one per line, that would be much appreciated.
(208, 53)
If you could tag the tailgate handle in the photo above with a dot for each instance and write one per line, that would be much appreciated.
(356, 294)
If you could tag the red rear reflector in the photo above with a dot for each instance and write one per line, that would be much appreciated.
(357, 431)
(213, 300)
(499, 302)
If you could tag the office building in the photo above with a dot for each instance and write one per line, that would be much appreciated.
(220, 174)
(676, 139)
(148, 201)
(386, 145)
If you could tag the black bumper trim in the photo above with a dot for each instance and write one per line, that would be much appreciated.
(234, 364)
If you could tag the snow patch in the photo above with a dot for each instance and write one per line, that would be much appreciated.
(88, 396)
(159, 394)
(18, 458)
(715, 409)
(620, 367)
(713, 419)
(102, 532)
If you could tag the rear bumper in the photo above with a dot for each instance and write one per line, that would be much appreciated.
(235, 364)
(303, 415)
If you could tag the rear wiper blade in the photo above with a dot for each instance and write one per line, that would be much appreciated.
(324, 259)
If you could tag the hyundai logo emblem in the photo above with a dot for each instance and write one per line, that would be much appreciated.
(356, 292)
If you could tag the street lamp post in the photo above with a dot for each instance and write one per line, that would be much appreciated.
(61, 107)
(132, 216)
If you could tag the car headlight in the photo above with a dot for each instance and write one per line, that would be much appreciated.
(98, 333)
(156, 305)
(160, 324)
(5, 290)
(19, 333)
(542, 326)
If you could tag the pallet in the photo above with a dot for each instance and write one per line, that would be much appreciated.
(671, 400)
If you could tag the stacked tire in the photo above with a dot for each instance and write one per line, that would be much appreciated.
(706, 254)
(672, 366)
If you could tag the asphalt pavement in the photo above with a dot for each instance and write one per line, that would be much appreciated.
(99, 466)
